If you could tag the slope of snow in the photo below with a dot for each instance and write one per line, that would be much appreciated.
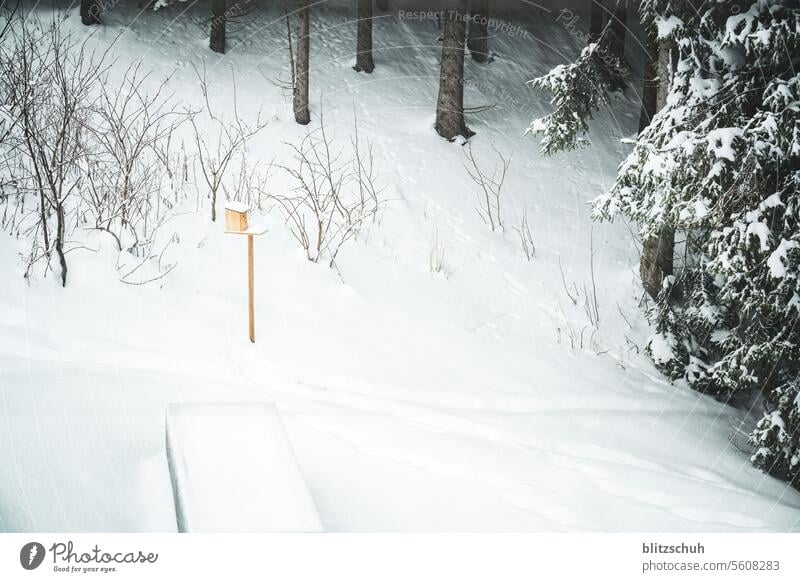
(480, 397)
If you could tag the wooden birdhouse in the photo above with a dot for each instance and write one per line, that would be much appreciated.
(236, 217)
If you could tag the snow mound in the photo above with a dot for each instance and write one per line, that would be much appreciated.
(233, 470)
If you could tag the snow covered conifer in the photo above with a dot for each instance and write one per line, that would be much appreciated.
(578, 90)
(777, 438)
(719, 165)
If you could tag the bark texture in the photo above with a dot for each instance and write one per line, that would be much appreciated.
(649, 87)
(450, 105)
(596, 20)
(364, 60)
(300, 94)
(478, 35)
(657, 260)
(619, 29)
(217, 38)
(658, 251)
(90, 12)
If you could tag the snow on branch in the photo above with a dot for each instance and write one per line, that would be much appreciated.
(578, 90)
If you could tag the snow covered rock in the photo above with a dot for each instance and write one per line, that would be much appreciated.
(233, 470)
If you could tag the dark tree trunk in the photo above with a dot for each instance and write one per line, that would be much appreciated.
(649, 86)
(478, 39)
(43, 219)
(618, 13)
(619, 19)
(596, 20)
(658, 251)
(450, 105)
(364, 37)
(300, 95)
(217, 42)
(657, 260)
(90, 12)
(59, 242)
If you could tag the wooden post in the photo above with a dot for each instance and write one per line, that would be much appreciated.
(251, 288)
(236, 222)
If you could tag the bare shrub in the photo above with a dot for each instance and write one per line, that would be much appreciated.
(226, 143)
(490, 185)
(251, 184)
(130, 158)
(80, 152)
(583, 332)
(436, 256)
(525, 237)
(334, 194)
(47, 82)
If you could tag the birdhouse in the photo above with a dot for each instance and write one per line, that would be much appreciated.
(236, 217)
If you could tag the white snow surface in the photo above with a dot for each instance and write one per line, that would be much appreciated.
(233, 470)
(478, 398)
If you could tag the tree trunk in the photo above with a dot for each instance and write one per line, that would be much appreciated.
(59, 242)
(300, 94)
(364, 37)
(214, 187)
(450, 105)
(618, 12)
(619, 18)
(217, 42)
(649, 86)
(90, 12)
(478, 39)
(596, 20)
(658, 251)
(43, 219)
(657, 260)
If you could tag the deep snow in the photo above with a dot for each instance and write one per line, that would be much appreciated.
(413, 400)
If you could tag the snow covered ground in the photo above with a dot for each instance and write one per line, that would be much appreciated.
(414, 400)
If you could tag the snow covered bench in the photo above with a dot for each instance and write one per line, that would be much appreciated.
(233, 470)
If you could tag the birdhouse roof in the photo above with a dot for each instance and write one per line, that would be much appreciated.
(236, 206)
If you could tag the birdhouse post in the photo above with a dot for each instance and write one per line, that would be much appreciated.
(236, 222)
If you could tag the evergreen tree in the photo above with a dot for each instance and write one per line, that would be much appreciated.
(720, 164)
(578, 90)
